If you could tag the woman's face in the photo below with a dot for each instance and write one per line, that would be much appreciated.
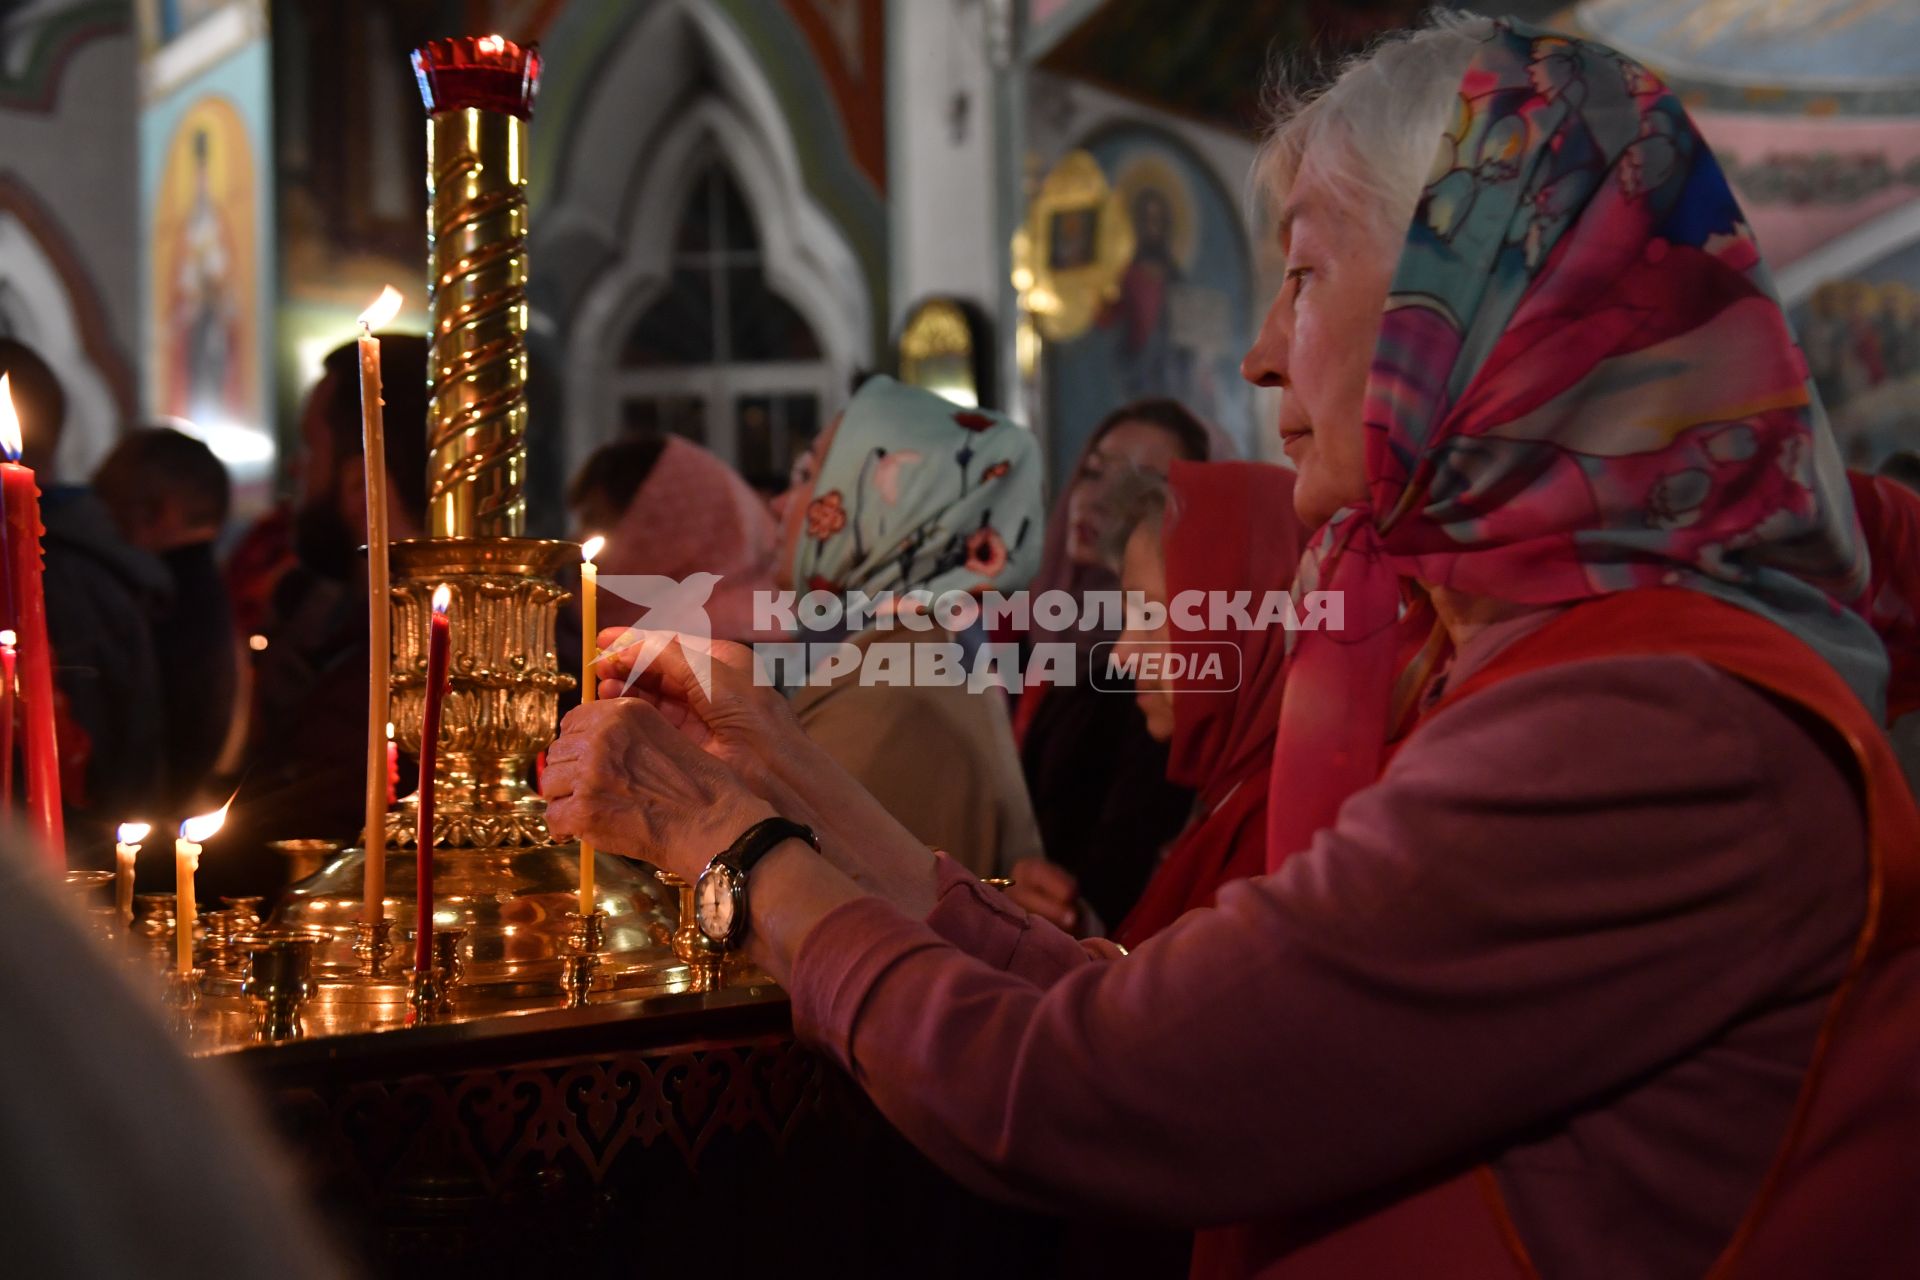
(1317, 344)
(790, 508)
(1141, 446)
(1145, 570)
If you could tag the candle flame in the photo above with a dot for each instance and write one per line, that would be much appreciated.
(8, 639)
(9, 420)
(389, 731)
(384, 308)
(203, 828)
(591, 548)
(442, 598)
(493, 44)
(132, 832)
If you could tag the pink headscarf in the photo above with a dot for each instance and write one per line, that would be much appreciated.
(694, 514)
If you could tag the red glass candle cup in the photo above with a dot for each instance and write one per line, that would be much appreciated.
(490, 73)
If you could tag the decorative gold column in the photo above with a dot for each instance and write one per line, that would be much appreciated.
(479, 93)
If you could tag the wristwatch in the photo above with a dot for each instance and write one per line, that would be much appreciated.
(720, 894)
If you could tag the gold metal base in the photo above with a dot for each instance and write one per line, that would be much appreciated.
(514, 905)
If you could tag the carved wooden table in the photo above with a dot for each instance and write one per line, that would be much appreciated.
(684, 1135)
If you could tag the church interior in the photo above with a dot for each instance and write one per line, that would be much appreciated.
(538, 255)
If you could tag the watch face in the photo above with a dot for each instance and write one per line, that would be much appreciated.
(713, 902)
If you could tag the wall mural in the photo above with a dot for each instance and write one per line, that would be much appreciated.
(205, 314)
(206, 199)
(1179, 322)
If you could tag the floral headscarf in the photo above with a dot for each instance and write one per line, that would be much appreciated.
(1584, 383)
(919, 494)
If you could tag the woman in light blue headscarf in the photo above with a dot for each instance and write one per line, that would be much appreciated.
(909, 493)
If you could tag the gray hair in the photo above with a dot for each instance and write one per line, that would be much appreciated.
(1134, 498)
(1374, 132)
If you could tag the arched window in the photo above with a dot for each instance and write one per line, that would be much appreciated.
(718, 356)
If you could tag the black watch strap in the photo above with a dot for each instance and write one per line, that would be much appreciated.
(763, 837)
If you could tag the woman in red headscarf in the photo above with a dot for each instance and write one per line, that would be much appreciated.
(1210, 531)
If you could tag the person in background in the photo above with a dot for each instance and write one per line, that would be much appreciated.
(102, 596)
(170, 495)
(670, 509)
(1098, 780)
(311, 668)
(1212, 527)
(907, 492)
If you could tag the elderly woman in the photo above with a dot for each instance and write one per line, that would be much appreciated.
(1594, 954)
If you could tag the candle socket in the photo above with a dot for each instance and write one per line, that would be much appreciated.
(220, 953)
(690, 944)
(279, 981)
(153, 926)
(85, 887)
(448, 966)
(585, 941)
(182, 999)
(247, 908)
(373, 946)
(427, 999)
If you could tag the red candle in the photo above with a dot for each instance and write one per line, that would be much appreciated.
(23, 533)
(438, 639)
(8, 658)
(393, 767)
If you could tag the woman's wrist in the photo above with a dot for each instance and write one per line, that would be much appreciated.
(792, 889)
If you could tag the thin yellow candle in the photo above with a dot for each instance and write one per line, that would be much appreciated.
(194, 832)
(379, 693)
(589, 679)
(126, 848)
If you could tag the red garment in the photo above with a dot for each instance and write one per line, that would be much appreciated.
(1837, 1200)
(1890, 517)
(1230, 527)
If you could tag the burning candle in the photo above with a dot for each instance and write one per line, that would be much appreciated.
(194, 832)
(589, 679)
(9, 656)
(438, 640)
(393, 767)
(379, 693)
(126, 848)
(23, 532)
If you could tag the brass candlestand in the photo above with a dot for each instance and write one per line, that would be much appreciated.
(496, 872)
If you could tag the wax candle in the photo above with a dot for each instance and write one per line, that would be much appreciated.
(9, 657)
(589, 679)
(374, 463)
(439, 637)
(194, 832)
(23, 532)
(126, 849)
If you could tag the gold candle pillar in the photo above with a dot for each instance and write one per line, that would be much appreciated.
(479, 93)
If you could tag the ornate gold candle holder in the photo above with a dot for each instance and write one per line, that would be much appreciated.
(279, 981)
(497, 875)
(587, 936)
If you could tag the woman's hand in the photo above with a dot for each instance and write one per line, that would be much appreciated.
(1048, 890)
(622, 778)
(723, 705)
